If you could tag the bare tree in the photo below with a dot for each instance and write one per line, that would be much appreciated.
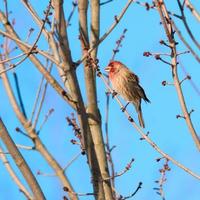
(59, 70)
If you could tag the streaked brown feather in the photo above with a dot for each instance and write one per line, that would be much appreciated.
(126, 83)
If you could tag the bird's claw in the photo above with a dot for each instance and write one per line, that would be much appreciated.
(114, 94)
(130, 119)
(124, 107)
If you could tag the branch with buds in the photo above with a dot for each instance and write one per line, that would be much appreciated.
(77, 131)
(77, 194)
(127, 168)
(170, 32)
(131, 195)
(159, 190)
(156, 147)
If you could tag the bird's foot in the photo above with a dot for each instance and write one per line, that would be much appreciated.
(114, 94)
(124, 108)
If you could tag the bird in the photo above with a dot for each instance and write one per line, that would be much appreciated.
(126, 84)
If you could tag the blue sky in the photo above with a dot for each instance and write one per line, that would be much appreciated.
(171, 135)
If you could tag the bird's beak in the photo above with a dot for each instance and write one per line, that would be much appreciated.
(107, 69)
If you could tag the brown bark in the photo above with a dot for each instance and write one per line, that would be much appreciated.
(21, 163)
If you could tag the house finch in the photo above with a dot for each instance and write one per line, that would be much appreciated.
(126, 83)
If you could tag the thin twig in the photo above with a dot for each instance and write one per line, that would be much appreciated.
(25, 147)
(16, 81)
(45, 119)
(29, 34)
(149, 140)
(105, 2)
(36, 50)
(6, 8)
(19, 95)
(194, 85)
(168, 27)
(78, 194)
(42, 99)
(23, 133)
(140, 131)
(74, 4)
(37, 38)
(37, 98)
(13, 175)
(134, 193)
(64, 169)
(4, 153)
(176, 29)
(77, 131)
(192, 9)
(48, 35)
(62, 92)
(127, 168)
(107, 143)
(71, 161)
(21, 163)
(13, 58)
(33, 135)
(159, 190)
(117, 20)
(153, 6)
(186, 24)
(118, 44)
(184, 41)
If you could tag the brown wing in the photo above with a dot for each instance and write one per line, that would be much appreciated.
(134, 78)
(136, 88)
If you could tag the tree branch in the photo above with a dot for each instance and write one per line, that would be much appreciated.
(20, 162)
(92, 108)
(192, 9)
(183, 18)
(13, 175)
(33, 135)
(37, 63)
(166, 21)
(139, 130)
(116, 22)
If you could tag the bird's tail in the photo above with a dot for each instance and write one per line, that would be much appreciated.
(140, 118)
